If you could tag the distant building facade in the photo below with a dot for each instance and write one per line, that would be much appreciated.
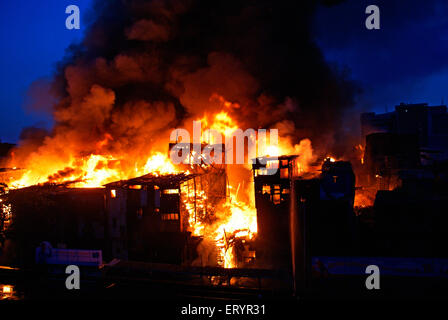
(428, 123)
(413, 137)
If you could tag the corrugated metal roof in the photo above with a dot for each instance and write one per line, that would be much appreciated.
(152, 179)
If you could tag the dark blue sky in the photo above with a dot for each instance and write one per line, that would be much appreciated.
(405, 61)
(34, 39)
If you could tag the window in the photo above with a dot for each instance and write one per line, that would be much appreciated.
(266, 189)
(284, 173)
(113, 193)
(136, 187)
(273, 164)
(171, 191)
(276, 198)
(170, 216)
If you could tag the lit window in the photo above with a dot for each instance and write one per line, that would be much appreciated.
(171, 191)
(284, 173)
(266, 189)
(137, 187)
(273, 164)
(7, 289)
(276, 198)
(113, 193)
(170, 216)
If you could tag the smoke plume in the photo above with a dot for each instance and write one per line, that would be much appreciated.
(146, 67)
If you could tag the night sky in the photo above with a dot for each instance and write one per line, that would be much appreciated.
(405, 61)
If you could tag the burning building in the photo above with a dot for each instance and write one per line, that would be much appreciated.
(142, 72)
(145, 222)
(318, 208)
(272, 179)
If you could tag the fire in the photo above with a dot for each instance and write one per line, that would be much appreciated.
(195, 202)
(159, 164)
(104, 142)
(85, 172)
(224, 124)
(7, 289)
(220, 122)
(234, 220)
(95, 171)
(242, 223)
(272, 151)
(361, 150)
(223, 102)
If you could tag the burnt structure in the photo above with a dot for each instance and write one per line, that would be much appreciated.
(144, 220)
(301, 217)
(149, 217)
(272, 180)
(332, 222)
(65, 217)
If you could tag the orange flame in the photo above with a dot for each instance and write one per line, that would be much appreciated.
(237, 219)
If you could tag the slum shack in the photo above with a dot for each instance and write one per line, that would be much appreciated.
(65, 217)
(272, 182)
(144, 221)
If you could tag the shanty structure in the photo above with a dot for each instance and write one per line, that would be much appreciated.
(272, 180)
(148, 216)
(65, 217)
(144, 220)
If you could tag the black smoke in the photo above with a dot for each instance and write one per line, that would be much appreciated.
(145, 67)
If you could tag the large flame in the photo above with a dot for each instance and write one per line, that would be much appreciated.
(237, 219)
